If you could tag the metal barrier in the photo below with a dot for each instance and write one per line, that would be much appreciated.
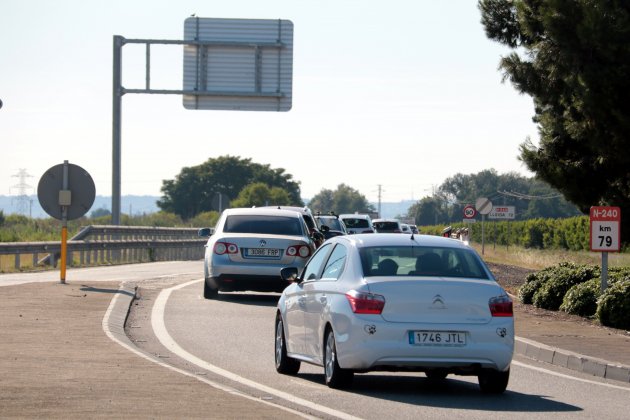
(98, 245)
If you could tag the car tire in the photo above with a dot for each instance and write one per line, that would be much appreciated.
(436, 374)
(209, 292)
(335, 376)
(284, 364)
(493, 381)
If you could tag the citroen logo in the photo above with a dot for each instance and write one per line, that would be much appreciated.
(438, 302)
(263, 242)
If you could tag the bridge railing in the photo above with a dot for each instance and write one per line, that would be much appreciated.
(100, 245)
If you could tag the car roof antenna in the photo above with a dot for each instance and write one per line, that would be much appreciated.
(412, 238)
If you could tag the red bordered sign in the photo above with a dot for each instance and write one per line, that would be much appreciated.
(605, 229)
(469, 212)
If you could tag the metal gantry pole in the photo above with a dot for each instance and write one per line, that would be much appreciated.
(116, 128)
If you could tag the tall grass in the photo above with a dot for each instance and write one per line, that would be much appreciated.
(537, 259)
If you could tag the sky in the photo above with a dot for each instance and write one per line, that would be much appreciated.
(389, 98)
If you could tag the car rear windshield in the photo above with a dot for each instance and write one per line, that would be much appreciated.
(386, 226)
(332, 223)
(269, 225)
(356, 223)
(421, 261)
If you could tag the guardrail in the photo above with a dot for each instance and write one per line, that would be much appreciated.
(98, 245)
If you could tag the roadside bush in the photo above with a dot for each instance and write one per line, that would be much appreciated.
(535, 281)
(551, 294)
(581, 299)
(613, 307)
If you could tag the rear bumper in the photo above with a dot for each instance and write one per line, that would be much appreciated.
(369, 343)
(240, 282)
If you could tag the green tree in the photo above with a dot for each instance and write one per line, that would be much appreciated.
(344, 199)
(195, 189)
(531, 197)
(259, 194)
(100, 213)
(204, 219)
(573, 58)
(429, 211)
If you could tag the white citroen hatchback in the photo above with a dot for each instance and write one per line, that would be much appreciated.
(397, 303)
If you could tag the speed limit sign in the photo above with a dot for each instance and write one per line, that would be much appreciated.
(469, 212)
(605, 228)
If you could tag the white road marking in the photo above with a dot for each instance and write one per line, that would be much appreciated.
(562, 375)
(230, 390)
(159, 328)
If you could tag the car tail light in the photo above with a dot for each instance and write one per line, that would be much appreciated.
(365, 303)
(501, 306)
(221, 248)
(299, 250)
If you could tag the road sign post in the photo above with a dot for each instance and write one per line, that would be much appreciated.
(66, 192)
(504, 213)
(605, 235)
(483, 206)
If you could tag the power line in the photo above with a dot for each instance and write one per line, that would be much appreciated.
(522, 196)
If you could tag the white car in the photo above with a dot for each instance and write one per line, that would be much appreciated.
(250, 246)
(387, 226)
(393, 302)
(357, 223)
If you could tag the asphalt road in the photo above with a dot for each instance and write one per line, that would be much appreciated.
(231, 342)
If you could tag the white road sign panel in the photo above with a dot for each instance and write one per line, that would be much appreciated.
(605, 229)
(502, 212)
(238, 64)
(483, 205)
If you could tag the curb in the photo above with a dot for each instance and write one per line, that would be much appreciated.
(119, 313)
(569, 360)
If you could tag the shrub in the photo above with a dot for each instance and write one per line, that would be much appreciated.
(561, 278)
(526, 292)
(613, 307)
(581, 299)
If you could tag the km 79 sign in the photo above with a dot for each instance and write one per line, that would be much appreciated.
(605, 229)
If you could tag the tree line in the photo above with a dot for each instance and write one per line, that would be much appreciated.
(247, 184)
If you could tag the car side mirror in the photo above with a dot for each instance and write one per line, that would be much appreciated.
(204, 232)
(290, 274)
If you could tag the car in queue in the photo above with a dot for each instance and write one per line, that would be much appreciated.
(330, 225)
(357, 223)
(250, 246)
(387, 226)
(392, 302)
(306, 213)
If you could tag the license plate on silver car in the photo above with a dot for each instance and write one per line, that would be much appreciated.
(262, 252)
(437, 338)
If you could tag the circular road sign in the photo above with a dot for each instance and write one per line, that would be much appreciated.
(80, 185)
(483, 205)
(469, 212)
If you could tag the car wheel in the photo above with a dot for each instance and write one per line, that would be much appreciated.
(436, 374)
(336, 377)
(209, 292)
(284, 363)
(493, 381)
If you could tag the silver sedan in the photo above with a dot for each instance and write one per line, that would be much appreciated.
(395, 302)
(249, 247)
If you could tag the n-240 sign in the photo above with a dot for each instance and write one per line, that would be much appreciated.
(605, 229)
